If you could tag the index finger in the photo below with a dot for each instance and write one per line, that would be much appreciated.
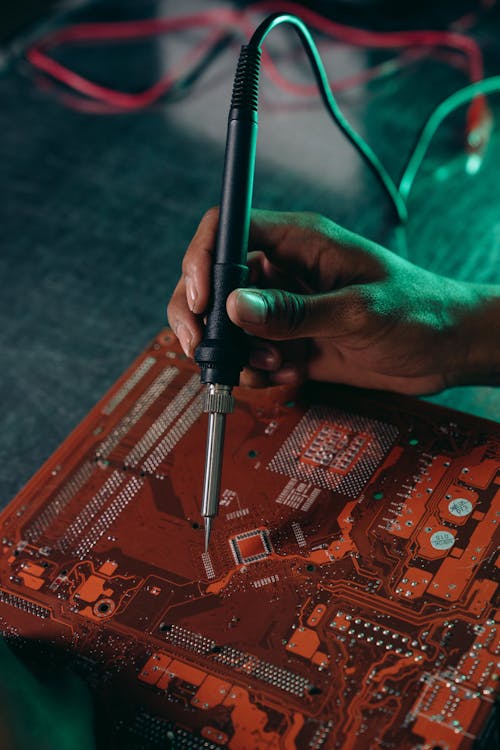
(265, 231)
(198, 260)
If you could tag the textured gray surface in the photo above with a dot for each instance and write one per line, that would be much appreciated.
(96, 213)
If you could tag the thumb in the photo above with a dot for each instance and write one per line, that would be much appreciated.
(279, 315)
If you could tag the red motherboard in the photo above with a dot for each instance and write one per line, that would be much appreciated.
(347, 600)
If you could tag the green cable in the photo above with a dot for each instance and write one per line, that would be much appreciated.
(321, 77)
(431, 125)
(397, 194)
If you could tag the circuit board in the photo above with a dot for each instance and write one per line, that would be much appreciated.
(347, 600)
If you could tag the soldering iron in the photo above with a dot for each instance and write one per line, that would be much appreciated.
(222, 353)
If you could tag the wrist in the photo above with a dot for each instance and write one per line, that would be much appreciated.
(479, 337)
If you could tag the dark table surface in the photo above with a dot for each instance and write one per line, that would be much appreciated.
(97, 210)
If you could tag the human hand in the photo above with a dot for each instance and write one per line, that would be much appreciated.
(333, 306)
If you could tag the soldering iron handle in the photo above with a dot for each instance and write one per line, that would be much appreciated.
(237, 185)
(221, 354)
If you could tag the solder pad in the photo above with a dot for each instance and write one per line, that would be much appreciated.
(348, 597)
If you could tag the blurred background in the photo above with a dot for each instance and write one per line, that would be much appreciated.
(105, 173)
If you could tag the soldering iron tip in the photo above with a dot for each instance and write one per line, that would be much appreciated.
(208, 528)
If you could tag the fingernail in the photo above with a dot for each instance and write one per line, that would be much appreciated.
(263, 358)
(192, 293)
(185, 338)
(251, 306)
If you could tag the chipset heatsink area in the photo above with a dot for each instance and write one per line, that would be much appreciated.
(251, 546)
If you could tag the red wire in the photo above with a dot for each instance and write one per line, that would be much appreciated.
(126, 30)
(120, 99)
(219, 19)
(116, 30)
